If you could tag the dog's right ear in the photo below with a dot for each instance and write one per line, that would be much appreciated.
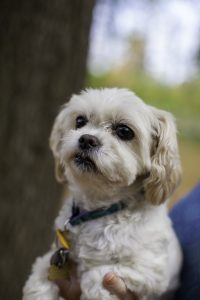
(55, 143)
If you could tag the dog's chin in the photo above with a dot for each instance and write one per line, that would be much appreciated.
(84, 163)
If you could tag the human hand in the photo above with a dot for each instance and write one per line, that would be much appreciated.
(70, 289)
(116, 286)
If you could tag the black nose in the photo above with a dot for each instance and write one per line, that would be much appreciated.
(88, 141)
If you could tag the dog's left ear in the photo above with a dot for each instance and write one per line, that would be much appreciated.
(165, 170)
(55, 142)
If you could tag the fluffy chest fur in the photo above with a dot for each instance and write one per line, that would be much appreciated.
(132, 236)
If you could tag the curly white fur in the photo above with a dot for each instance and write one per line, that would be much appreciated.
(137, 243)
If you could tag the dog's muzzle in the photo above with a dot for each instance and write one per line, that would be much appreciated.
(87, 144)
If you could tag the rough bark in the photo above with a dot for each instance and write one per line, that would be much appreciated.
(43, 50)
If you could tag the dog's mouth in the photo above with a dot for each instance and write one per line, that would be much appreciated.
(84, 163)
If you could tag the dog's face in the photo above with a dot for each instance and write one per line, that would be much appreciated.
(105, 139)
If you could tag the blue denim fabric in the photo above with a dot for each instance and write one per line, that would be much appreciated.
(185, 216)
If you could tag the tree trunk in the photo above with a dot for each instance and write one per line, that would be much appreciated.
(43, 50)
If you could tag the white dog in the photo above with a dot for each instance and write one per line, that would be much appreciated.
(119, 158)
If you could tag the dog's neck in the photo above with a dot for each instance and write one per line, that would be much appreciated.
(90, 199)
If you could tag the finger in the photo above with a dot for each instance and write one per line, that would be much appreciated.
(116, 285)
(62, 285)
(69, 290)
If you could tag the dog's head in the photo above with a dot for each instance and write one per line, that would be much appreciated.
(108, 138)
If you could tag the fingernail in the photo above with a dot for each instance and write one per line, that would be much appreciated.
(109, 278)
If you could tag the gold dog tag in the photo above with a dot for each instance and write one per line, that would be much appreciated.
(56, 273)
(59, 260)
(59, 265)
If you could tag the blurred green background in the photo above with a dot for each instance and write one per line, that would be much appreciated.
(159, 59)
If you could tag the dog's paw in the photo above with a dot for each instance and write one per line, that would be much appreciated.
(38, 287)
(47, 291)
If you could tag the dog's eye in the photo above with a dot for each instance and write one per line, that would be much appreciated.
(81, 121)
(124, 132)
